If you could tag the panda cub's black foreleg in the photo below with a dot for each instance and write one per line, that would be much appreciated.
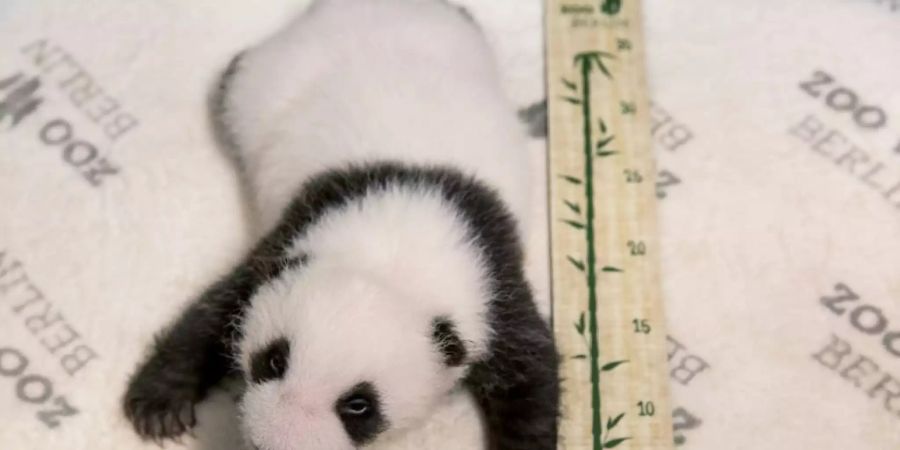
(186, 360)
(193, 354)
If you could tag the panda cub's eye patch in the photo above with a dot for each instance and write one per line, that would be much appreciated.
(271, 362)
(360, 412)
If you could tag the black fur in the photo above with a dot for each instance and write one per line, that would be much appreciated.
(516, 384)
(195, 353)
(447, 341)
(365, 426)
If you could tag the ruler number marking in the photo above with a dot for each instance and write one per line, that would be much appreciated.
(633, 176)
(637, 248)
(642, 326)
(646, 409)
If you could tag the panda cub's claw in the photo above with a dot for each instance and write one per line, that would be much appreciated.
(159, 412)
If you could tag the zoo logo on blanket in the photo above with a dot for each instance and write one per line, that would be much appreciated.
(43, 79)
(21, 297)
(871, 122)
(22, 99)
(868, 373)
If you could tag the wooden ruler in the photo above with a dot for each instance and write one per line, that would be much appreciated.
(607, 310)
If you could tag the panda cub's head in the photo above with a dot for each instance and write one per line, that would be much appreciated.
(367, 332)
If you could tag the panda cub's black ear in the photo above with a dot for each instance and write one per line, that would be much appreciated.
(448, 342)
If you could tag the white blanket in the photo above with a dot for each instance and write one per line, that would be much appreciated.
(781, 121)
(780, 180)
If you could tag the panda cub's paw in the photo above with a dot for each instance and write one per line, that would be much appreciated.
(160, 407)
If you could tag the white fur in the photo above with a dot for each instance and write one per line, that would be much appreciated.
(361, 310)
(357, 80)
(353, 81)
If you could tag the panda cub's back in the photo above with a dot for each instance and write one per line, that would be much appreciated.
(340, 86)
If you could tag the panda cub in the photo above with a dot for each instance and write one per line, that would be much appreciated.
(391, 179)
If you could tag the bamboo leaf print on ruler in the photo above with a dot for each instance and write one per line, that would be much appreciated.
(607, 312)
(586, 326)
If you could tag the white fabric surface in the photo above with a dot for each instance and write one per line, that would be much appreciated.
(765, 221)
(762, 222)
